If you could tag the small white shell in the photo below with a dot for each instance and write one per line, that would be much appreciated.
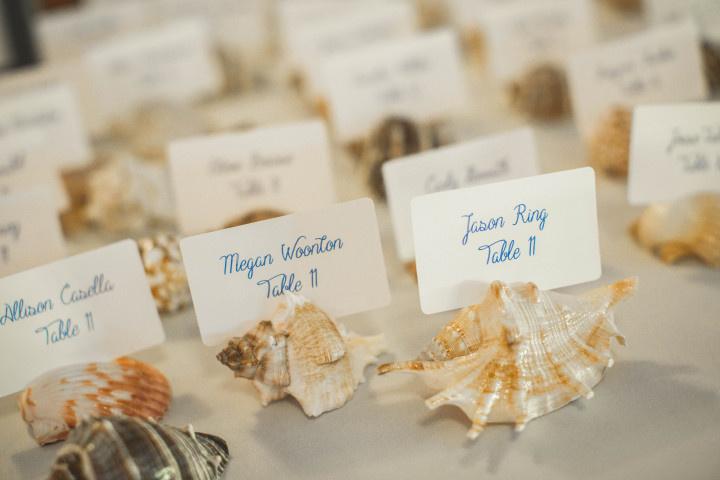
(165, 272)
(521, 353)
(303, 353)
(54, 403)
(687, 227)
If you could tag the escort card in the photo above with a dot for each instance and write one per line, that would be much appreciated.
(705, 12)
(539, 229)
(660, 65)
(309, 44)
(332, 257)
(30, 232)
(485, 160)
(522, 35)
(170, 63)
(420, 77)
(44, 121)
(90, 307)
(218, 178)
(674, 151)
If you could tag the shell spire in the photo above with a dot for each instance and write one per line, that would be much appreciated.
(304, 353)
(521, 353)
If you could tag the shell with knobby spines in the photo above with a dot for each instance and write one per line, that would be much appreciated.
(54, 403)
(682, 228)
(304, 353)
(521, 353)
(128, 448)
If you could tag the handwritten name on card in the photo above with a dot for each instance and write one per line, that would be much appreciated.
(477, 162)
(420, 77)
(220, 177)
(331, 256)
(540, 229)
(522, 35)
(90, 307)
(170, 63)
(30, 232)
(660, 65)
(44, 121)
(674, 151)
(309, 44)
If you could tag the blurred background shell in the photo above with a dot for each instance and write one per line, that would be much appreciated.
(541, 93)
(54, 403)
(165, 272)
(609, 145)
(126, 448)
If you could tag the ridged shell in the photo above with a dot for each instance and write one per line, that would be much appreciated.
(521, 353)
(683, 228)
(257, 215)
(304, 353)
(542, 93)
(165, 272)
(55, 402)
(396, 137)
(711, 64)
(125, 448)
(609, 146)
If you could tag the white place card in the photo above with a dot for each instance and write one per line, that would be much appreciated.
(218, 178)
(706, 13)
(47, 120)
(674, 151)
(90, 307)
(331, 256)
(522, 35)
(486, 160)
(539, 229)
(30, 233)
(170, 63)
(472, 14)
(660, 65)
(310, 44)
(420, 77)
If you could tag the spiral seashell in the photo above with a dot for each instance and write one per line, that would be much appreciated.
(542, 93)
(54, 403)
(257, 215)
(684, 228)
(126, 448)
(711, 64)
(609, 145)
(165, 272)
(304, 353)
(521, 353)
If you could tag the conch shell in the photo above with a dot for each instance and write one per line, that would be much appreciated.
(542, 93)
(521, 353)
(610, 143)
(687, 227)
(54, 403)
(165, 272)
(126, 448)
(304, 353)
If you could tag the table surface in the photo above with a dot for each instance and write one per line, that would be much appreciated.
(655, 415)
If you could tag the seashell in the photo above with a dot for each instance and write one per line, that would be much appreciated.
(396, 137)
(304, 353)
(627, 6)
(55, 402)
(542, 93)
(126, 448)
(257, 215)
(411, 269)
(127, 195)
(76, 185)
(683, 228)
(165, 272)
(711, 64)
(609, 146)
(521, 353)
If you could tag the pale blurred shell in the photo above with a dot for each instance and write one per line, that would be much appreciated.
(711, 64)
(165, 272)
(542, 93)
(303, 353)
(682, 228)
(521, 353)
(54, 403)
(609, 146)
(257, 215)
